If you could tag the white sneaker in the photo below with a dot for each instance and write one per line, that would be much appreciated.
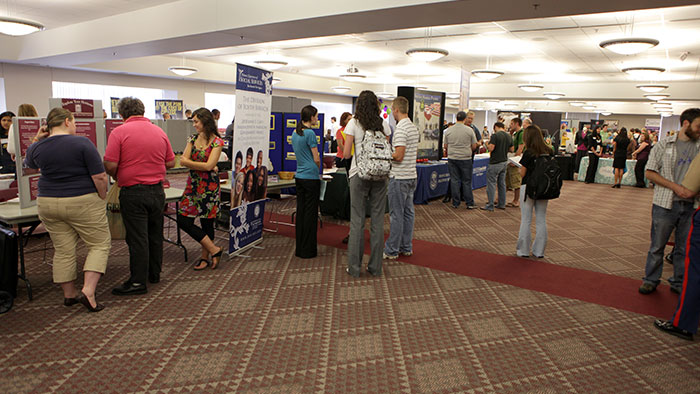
(389, 257)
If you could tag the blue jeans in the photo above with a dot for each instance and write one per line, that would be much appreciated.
(402, 215)
(525, 236)
(496, 176)
(461, 179)
(663, 222)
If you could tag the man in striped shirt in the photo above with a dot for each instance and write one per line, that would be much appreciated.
(402, 183)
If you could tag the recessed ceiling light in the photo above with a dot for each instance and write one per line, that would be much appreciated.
(553, 95)
(487, 74)
(453, 95)
(606, 113)
(652, 88)
(629, 45)
(18, 27)
(427, 54)
(182, 71)
(271, 64)
(341, 89)
(648, 73)
(531, 87)
(589, 107)
(275, 81)
(657, 96)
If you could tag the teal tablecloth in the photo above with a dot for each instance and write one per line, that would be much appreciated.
(605, 171)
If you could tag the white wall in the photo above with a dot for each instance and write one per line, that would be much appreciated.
(32, 84)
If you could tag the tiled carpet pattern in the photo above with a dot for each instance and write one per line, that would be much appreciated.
(276, 323)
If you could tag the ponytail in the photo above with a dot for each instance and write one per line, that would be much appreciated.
(307, 113)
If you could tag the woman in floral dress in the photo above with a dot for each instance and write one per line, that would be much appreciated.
(201, 198)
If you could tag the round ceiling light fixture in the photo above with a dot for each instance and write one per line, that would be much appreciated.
(18, 27)
(662, 104)
(341, 89)
(577, 103)
(647, 73)
(353, 74)
(453, 95)
(666, 114)
(553, 95)
(657, 96)
(421, 87)
(182, 71)
(629, 45)
(530, 87)
(487, 74)
(652, 87)
(275, 81)
(589, 107)
(271, 64)
(427, 54)
(606, 113)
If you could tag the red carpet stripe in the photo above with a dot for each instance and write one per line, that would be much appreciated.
(594, 287)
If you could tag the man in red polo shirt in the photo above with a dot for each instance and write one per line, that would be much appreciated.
(137, 155)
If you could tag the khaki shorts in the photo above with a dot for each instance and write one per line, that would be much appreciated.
(513, 178)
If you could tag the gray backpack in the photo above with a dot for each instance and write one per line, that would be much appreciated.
(373, 160)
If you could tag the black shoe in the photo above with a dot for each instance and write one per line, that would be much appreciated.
(668, 327)
(129, 288)
(346, 239)
(86, 303)
(676, 291)
(447, 199)
(348, 271)
(154, 279)
(70, 301)
(647, 288)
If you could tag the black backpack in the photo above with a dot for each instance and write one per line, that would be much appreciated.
(544, 183)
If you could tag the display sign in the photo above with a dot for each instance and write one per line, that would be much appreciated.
(173, 107)
(114, 104)
(34, 187)
(427, 109)
(26, 130)
(87, 129)
(246, 225)
(464, 87)
(111, 124)
(250, 151)
(652, 124)
(80, 108)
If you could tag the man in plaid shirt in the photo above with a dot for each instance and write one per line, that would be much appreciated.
(668, 163)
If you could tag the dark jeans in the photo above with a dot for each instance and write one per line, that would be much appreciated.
(592, 167)
(580, 154)
(186, 223)
(461, 180)
(308, 195)
(142, 210)
(639, 172)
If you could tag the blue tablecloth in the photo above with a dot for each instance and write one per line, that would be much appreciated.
(432, 182)
(479, 173)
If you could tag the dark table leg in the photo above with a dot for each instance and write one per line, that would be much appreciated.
(178, 243)
(23, 273)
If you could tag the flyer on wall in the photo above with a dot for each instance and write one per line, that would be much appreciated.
(250, 151)
(174, 108)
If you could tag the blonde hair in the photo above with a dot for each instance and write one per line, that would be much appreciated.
(400, 104)
(56, 117)
(27, 110)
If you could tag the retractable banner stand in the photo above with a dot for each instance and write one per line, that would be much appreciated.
(27, 178)
(251, 145)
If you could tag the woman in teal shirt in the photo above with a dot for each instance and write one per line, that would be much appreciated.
(308, 183)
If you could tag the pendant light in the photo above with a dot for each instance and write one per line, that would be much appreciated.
(182, 70)
(652, 87)
(577, 103)
(271, 64)
(530, 87)
(487, 73)
(657, 96)
(553, 95)
(629, 45)
(427, 53)
(644, 73)
(353, 74)
(18, 27)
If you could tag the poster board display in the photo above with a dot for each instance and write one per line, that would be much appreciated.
(290, 125)
(426, 109)
(652, 124)
(27, 178)
(175, 108)
(110, 125)
(250, 150)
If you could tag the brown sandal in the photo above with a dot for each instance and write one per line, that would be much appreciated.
(199, 266)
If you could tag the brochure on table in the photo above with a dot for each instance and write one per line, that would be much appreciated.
(251, 145)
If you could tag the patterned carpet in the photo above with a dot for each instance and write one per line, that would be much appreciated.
(275, 323)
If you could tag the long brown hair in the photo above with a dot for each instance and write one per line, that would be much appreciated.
(27, 110)
(534, 142)
(208, 122)
(367, 111)
(305, 115)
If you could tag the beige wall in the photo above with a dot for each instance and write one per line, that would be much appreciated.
(32, 84)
